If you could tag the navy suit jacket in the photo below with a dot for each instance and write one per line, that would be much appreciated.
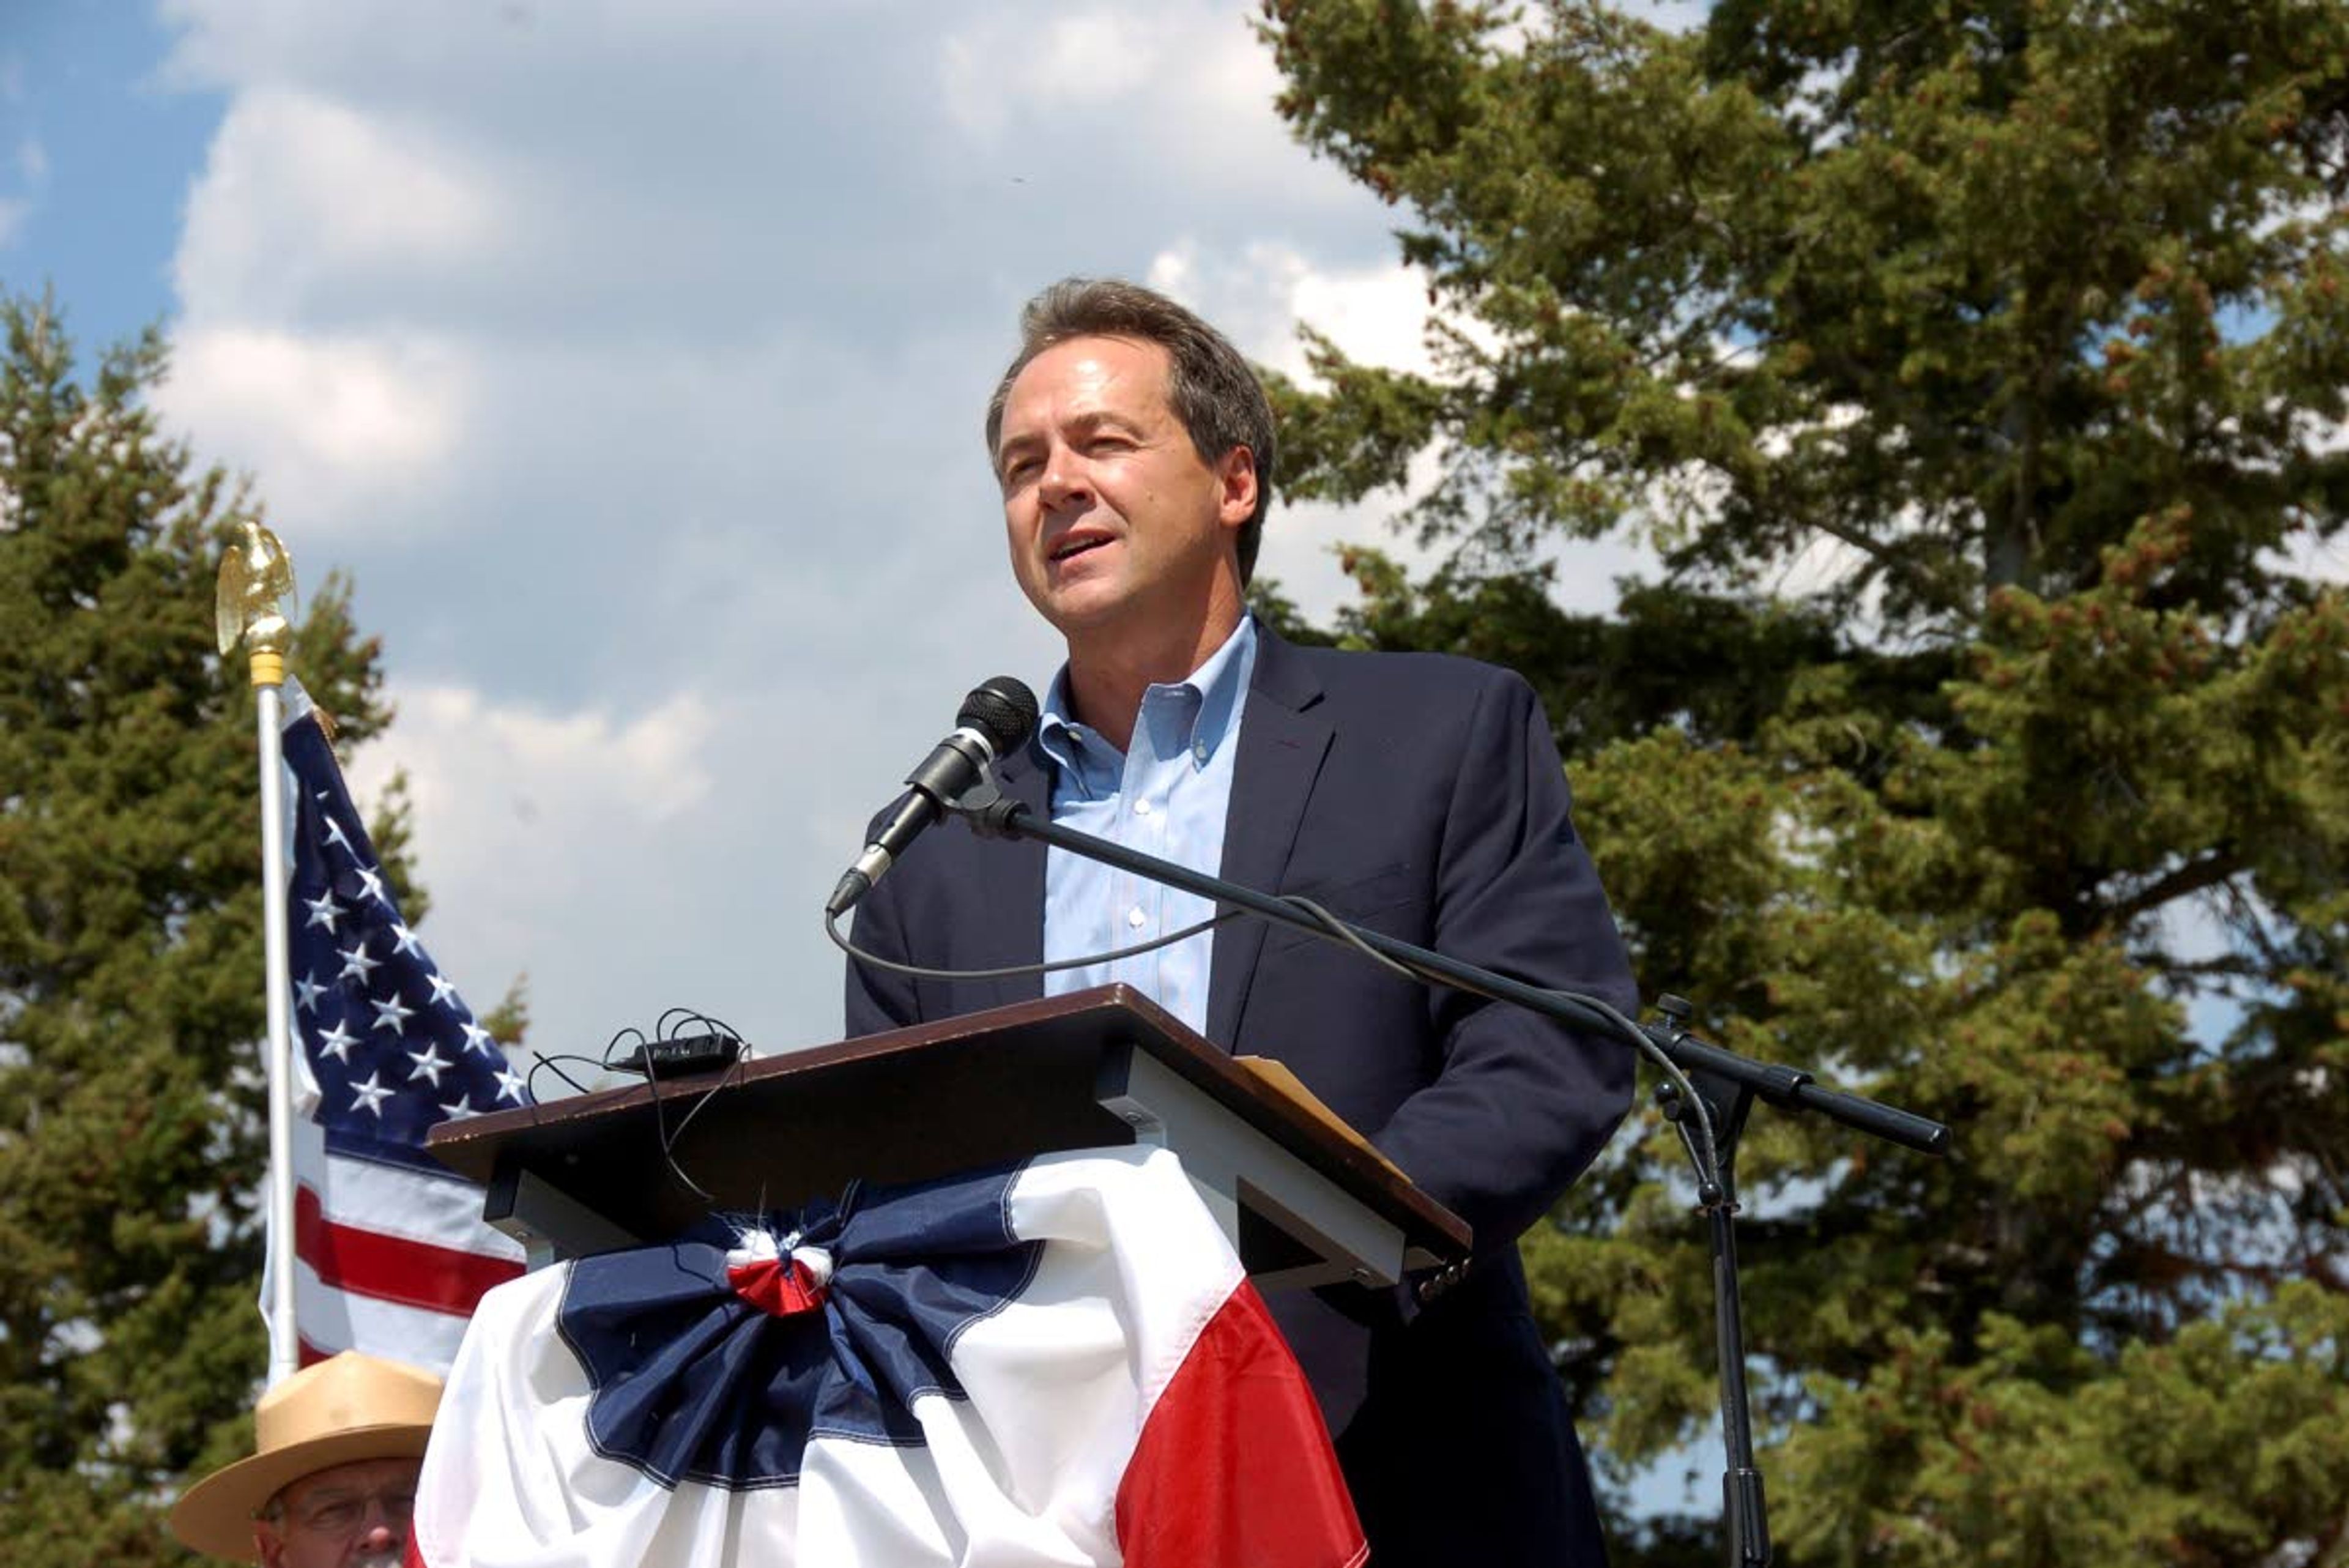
(1420, 796)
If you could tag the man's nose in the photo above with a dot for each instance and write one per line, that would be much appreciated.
(386, 1526)
(1064, 479)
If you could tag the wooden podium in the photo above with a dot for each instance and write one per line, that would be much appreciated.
(1305, 1202)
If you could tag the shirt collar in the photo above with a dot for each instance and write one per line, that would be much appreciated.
(1220, 684)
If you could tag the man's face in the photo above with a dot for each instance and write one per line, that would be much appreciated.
(351, 1516)
(1113, 517)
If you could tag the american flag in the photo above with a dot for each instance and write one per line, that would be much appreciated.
(390, 1250)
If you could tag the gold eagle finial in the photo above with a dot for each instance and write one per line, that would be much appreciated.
(255, 598)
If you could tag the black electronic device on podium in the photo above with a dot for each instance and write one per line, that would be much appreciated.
(1305, 1199)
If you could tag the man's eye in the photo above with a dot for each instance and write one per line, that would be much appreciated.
(343, 1515)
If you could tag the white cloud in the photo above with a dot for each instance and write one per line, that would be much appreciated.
(1260, 296)
(563, 767)
(1181, 94)
(2317, 559)
(322, 422)
(301, 195)
(1086, 59)
(1377, 316)
(31, 160)
(1679, 16)
(530, 822)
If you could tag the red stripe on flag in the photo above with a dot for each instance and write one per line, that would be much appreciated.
(1234, 1464)
(392, 1268)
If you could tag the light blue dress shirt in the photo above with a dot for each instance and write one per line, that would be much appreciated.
(1167, 795)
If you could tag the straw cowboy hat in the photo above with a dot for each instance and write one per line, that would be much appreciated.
(349, 1406)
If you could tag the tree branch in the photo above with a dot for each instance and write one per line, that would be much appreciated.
(2191, 878)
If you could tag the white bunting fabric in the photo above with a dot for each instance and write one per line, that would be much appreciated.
(1058, 1364)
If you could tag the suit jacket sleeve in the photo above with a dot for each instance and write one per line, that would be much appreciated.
(1518, 1105)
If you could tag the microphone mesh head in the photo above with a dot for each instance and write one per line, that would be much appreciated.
(1004, 711)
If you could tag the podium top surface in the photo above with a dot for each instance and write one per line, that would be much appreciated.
(962, 1094)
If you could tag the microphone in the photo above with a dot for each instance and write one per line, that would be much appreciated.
(996, 719)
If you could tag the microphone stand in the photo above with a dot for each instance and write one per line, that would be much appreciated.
(1724, 1084)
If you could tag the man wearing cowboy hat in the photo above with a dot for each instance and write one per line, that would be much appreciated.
(334, 1480)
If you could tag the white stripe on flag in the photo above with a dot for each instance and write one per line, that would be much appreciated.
(409, 1206)
(334, 1321)
(434, 1211)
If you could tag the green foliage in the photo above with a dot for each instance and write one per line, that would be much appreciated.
(2220, 1440)
(1979, 373)
(130, 995)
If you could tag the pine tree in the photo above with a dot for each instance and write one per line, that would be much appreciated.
(1978, 372)
(130, 994)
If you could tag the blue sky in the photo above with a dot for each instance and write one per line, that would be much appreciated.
(96, 155)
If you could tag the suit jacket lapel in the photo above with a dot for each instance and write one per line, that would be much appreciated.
(1282, 744)
(1015, 893)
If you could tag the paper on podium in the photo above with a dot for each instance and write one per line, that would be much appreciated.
(1276, 1076)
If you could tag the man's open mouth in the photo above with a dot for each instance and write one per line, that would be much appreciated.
(1071, 548)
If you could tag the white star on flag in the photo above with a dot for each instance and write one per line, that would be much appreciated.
(357, 965)
(324, 912)
(337, 1041)
(306, 991)
(444, 990)
(430, 1063)
(391, 1013)
(403, 941)
(370, 1096)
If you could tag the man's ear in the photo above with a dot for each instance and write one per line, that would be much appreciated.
(268, 1546)
(1236, 476)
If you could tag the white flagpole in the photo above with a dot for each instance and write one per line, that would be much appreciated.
(284, 1345)
(255, 577)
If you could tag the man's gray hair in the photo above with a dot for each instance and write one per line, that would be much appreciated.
(1209, 386)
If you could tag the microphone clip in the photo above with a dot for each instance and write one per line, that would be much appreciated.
(990, 812)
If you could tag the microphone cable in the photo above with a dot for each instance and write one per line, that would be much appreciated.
(831, 929)
(667, 1137)
(1612, 1017)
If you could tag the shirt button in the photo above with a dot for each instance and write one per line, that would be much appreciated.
(1200, 750)
(1135, 916)
(1142, 808)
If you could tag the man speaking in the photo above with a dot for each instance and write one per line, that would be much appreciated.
(1417, 795)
